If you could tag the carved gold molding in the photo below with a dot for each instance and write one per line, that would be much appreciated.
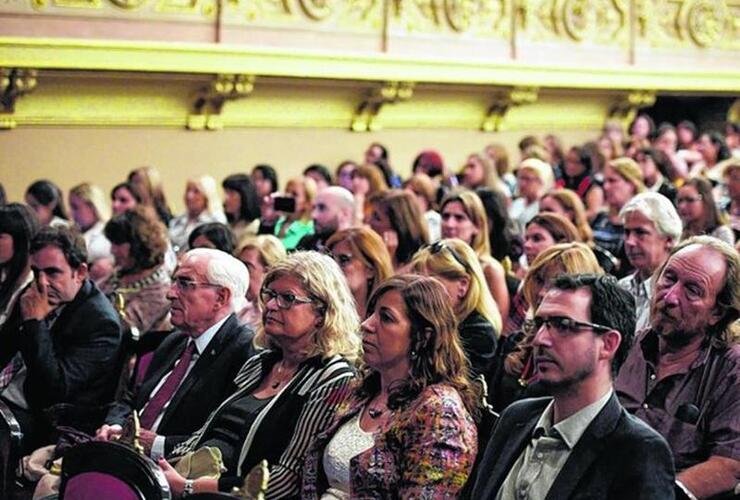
(480, 17)
(365, 118)
(14, 84)
(517, 96)
(626, 107)
(210, 100)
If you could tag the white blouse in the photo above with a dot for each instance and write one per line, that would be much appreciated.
(348, 442)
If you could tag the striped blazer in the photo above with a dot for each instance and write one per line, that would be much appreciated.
(287, 425)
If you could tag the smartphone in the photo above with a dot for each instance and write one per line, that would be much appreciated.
(284, 204)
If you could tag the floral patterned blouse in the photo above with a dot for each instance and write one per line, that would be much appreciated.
(426, 450)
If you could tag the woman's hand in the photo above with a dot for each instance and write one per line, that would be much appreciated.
(174, 479)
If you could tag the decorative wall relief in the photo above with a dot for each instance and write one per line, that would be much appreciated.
(504, 101)
(699, 23)
(485, 18)
(210, 100)
(594, 21)
(342, 14)
(14, 84)
(365, 118)
(625, 108)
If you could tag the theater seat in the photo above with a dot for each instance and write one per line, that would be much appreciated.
(10, 449)
(97, 470)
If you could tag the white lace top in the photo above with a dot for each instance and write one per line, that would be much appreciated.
(349, 441)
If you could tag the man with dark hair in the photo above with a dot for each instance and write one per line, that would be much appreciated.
(682, 375)
(580, 443)
(62, 342)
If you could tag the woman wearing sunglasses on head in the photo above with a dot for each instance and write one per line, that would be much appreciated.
(455, 264)
(290, 391)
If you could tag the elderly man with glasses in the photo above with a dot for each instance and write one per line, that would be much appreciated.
(580, 443)
(193, 370)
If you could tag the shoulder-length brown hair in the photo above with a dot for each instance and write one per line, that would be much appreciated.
(407, 221)
(711, 216)
(436, 354)
(561, 229)
(573, 205)
(369, 248)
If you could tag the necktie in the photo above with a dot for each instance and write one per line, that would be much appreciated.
(6, 376)
(168, 389)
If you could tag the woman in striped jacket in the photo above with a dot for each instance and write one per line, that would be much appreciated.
(289, 392)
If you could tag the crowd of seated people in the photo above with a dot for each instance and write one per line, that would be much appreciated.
(357, 331)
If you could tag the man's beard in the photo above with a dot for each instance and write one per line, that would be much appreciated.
(567, 385)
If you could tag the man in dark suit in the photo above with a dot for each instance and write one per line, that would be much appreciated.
(581, 444)
(193, 370)
(61, 347)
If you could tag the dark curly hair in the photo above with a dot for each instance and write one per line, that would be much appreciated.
(146, 234)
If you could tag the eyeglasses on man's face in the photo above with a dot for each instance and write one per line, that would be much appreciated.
(564, 325)
(188, 285)
(285, 300)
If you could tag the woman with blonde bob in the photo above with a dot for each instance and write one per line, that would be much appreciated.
(454, 263)
(464, 217)
(148, 182)
(291, 227)
(202, 205)
(407, 431)
(513, 378)
(90, 211)
(290, 391)
(364, 260)
(259, 254)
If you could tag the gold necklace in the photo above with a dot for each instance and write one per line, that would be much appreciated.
(280, 379)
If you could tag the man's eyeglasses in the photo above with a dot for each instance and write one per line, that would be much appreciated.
(564, 325)
(188, 285)
(439, 246)
(284, 300)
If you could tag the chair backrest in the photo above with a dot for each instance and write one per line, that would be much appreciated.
(10, 449)
(110, 470)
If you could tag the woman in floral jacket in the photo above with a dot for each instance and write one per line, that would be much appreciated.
(407, 430)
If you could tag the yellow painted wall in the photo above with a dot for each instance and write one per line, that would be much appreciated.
(72, 155)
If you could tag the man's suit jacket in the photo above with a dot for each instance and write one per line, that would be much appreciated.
(77, 361)
(209, 382)
(618, 457)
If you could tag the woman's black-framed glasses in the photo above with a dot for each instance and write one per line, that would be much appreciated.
(439, 246)
(285, 300)
(564, 325)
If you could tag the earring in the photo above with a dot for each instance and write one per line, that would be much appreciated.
(413, 355)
